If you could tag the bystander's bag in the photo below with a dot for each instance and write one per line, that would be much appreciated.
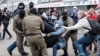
(95, 27)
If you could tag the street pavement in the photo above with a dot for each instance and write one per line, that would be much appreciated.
(6, 42)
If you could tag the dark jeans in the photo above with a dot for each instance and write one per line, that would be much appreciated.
(6, 30)
(13, 46)
(85, 41)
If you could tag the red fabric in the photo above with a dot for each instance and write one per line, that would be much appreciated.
(93, 17)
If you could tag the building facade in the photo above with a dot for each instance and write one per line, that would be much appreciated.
(12, 4)
(45, 4)
(68, 4)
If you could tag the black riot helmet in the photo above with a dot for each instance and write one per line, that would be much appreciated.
(31, 5)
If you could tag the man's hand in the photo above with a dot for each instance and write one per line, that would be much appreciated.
(48, 35)
(63, 35)
(21, 33)
(63, 26)
(5, 14)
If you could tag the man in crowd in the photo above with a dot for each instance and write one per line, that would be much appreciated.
(17, 27)
(5, 20)
(68, 21)
(32, 26)
(27, 12)
(16, 12)
(20, 6)
(31, 5)
(73, 14)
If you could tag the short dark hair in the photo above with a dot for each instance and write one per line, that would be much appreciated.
(33, 11)
(5, 9)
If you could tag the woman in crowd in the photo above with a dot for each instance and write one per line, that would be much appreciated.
(85, 40)
(92, 16)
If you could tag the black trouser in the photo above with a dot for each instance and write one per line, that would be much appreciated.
(6, 30)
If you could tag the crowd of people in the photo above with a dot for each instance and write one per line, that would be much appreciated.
(52, 29)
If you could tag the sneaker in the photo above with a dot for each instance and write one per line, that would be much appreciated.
(95, 50)
(81, 54)
(76, 54)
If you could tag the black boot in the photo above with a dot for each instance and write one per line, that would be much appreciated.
(76, 54)
(95, 50)
(24, 54)
(26, 44)
(65, 53)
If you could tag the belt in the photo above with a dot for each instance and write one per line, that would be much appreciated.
(32, 34)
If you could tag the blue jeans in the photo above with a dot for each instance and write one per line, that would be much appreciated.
(12, 46)
(85, 41)
(55, 48)
(59, 45)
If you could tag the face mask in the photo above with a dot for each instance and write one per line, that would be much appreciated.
(64, 18)
(31, 6)
(4, 10)
(21, 16)
(21, 7)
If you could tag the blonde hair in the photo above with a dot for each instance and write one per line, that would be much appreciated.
(81, 12)
(91, 10)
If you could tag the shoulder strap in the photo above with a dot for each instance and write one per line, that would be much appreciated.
(89, 23)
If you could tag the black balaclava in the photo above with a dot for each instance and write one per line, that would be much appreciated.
(31, 5)
(5, 9)
(33, 11)
(64, 16)
(21, 4)
(22, 13)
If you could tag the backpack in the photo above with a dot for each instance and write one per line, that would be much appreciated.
(95, 27)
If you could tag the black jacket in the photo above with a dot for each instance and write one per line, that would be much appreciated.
(5, 19)
(48, 28)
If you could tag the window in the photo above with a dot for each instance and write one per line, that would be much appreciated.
(43, 1)
(47, 1)
(55, 0)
